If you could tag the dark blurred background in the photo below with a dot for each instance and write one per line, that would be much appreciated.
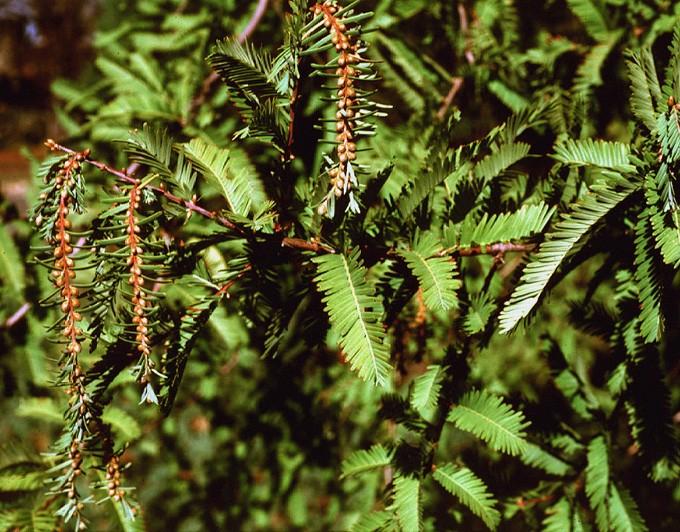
(40, 41)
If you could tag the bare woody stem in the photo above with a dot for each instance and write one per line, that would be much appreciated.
(492, 249)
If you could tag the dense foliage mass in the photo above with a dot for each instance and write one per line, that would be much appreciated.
(367, 265)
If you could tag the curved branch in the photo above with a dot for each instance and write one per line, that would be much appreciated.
(212, 78)
(254, 20)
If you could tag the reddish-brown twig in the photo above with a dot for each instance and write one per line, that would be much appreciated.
(491, 249)
(224, 290)
(456, 84)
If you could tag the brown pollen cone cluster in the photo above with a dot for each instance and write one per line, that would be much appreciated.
(346, 96)
(113, 478)
(76, 461)
(136, 281)
(64, 276)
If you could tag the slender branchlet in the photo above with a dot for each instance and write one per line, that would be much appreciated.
(139, 298)
(342, 175)
(60, 199)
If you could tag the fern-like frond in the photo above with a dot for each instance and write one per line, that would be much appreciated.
(426, 389)
(510, 98)
(123, 424)
(236, 180)
(571, 387)
(590, 13)
(153, 147)
(471, 491)
(404, 70)
(600, 153)
(599, 201)
(647, 277)
(245, 70)
(671, 81)
(505, 227)
(26, 519)
(668, 129)
(21, 481)
(436, 275)
(501, 159)
(366, 460)
(406, 503)
(558, 517)
(597, 480)
(534, 456)
(185, 337)
(439, 164)
(563, 517)
(373, 521)
(624, 515)
(589, 72)
(644, 85)
(266, 123)
(356, 313)
(426, 183)
(478, 312)
(489, 418)
(665, 223)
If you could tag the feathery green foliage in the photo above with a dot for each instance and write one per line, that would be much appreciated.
(233, 218)
(436, 274)
(598, 202)
(356, 313)
(238, 184)
(360, 461)
(645, 89)
(490, 419)
(506, 227)
(406, 503)
(597, 480)
(470, 491)
(599, 153)
(426, 389)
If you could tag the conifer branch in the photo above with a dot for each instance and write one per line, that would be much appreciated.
(58, 201)
(191, 205)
